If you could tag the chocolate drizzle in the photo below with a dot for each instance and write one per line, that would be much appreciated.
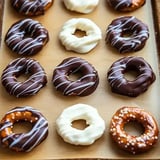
(83, 86)
(26, 37)
(119, 84)
(137, 30)
(32, 85)
(23, 142)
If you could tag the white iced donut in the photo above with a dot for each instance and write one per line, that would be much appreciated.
(82, 44)
(81, 6)
(95, 125)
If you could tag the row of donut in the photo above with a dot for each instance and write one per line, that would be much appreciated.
(94, 129)
(27, 36)
(36, 7)
(82, 86)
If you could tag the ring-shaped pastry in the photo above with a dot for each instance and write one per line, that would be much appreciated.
(132, 88)
(126, 5)
(87, 136)
(83, 86)
(23, 142)
(27, 66)
(82, 44)
(26, 37)
(132, 143)
(81, 6)
(31, 7)
(127, 34)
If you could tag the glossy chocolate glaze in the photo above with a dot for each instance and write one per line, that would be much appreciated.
(130, 143)
(132, 88)
(20, 66)
(137, 31)
(83, 86)
(23, 142)
(126, 5)
(26, 37)
(31, 7)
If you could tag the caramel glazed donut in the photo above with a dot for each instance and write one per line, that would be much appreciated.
(20, 66)
(132, 88)
(130, 143)
(135, 30)
(26, 37)
(23, 142)
(83, 86)
(81, 6)
(31, 7)
(95, 125)
(126, 5)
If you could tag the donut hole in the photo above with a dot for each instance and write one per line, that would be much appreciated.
(79, 124)
(23, 77)
(127, 34)
(134, 128)
(22, 127)
(131, 73)
(74, 76)
(79, 33)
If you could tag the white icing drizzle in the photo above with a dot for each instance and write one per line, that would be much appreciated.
(26, 141)
(117, 79)
(81, 6)
(95, 129)
(80, 44)
(79, 86)
(29, 87)
(119, 3)
(16, 40)
(29, 7)
(127, 44)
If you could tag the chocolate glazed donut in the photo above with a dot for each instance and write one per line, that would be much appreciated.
(26, 37)
(20, 66)
(127, 34)
(132, 88)
(83, 86)
(31, 7)
(23, 142)
(126, 5)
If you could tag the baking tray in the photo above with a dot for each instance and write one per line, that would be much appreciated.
(51, 103)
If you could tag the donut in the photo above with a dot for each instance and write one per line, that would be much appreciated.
(31, 85)
(95, 125)
(127, 34)
(131, 143)
(126, 5)
(31, 7)
(82, 44)
(83, 86)
(81, 6)
(26, 37)
(132, 88)
(23, 142)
